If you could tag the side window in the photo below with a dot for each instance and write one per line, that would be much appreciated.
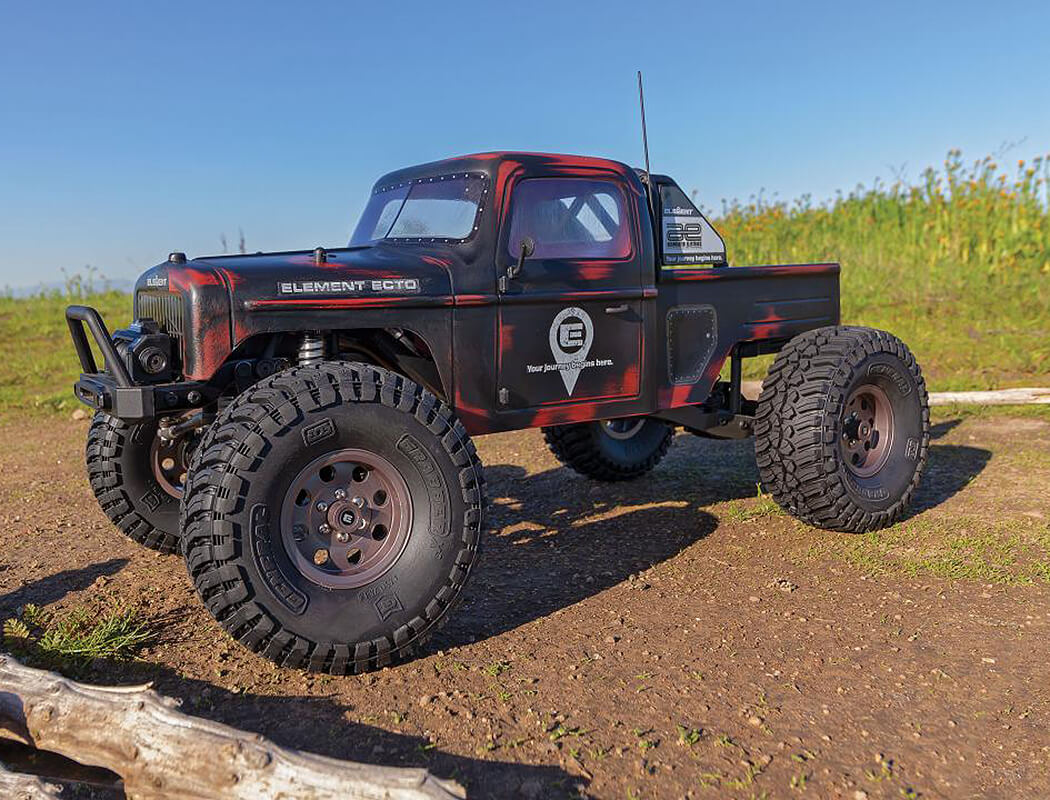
(570, 218)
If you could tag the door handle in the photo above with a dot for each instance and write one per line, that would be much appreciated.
(616, 309)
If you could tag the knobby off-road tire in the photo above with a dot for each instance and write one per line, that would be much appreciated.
(843, 428)
(252, 518)
(119, 469)
(611, 450)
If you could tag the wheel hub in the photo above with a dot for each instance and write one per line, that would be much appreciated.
(170, 461)
(623, 427)
(345, 518)
(867, 430)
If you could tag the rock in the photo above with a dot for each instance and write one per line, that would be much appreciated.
(79, 414)
(426, 700)
(860, 794)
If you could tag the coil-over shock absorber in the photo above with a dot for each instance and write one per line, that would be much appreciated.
(311, 349)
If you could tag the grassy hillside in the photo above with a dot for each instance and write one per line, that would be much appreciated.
(958, 266)
(37, 363)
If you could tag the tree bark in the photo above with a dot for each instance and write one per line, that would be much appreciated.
(160, 752)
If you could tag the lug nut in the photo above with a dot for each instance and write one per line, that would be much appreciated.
(322, 506)
(324, 529)
(340, 494)
(343, 536)
(359, 502)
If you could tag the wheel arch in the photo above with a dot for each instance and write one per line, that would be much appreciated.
(403, 349)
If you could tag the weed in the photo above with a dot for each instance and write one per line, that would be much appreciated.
(498, 668)
(76, 638)
(562, 730)
(688, 736)
(745, 780)
(746, 510)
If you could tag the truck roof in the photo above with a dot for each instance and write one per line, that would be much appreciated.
(489, 163)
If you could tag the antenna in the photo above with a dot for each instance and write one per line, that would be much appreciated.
(645, 136)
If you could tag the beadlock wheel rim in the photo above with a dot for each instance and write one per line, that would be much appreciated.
(623, 427)
(867, 430)
(169, 460)
(346, 518)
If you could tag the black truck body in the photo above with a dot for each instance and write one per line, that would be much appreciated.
(643, 327)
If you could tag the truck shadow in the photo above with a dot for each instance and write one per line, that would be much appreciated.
(54, 587)
(556, 538)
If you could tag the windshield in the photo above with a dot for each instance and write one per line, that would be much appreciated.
(443, 208)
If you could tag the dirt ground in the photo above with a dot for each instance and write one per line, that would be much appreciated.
(670, 637)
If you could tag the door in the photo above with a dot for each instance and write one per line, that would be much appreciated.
(571, 321)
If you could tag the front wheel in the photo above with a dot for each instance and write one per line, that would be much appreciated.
(843, 427)
(332, 516)
(137, 478)
(612, 449)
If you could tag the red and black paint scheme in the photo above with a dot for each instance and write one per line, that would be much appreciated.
(640, 324)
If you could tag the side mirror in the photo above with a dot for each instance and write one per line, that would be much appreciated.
(528, 247)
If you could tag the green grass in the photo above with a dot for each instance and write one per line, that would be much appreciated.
(746, 510)
(962, 547)
(38, 365)
(72, 640)
(957, 265)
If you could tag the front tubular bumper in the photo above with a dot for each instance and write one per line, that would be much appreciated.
(111, 388)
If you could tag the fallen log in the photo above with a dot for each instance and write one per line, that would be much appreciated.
(160, 752)
(16, 786)
(995, 397)
(998, 397)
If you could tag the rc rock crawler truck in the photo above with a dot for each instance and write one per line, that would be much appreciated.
(298, 424)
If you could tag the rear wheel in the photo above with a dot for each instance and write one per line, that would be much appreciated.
(843, 427)
(613, 449)
(137, 479)
(332, 516)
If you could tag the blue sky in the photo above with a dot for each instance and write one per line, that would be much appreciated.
(131, 129)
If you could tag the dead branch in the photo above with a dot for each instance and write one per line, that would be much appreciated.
(160, 752)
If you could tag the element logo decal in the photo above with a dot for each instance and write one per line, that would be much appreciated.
(571, 336)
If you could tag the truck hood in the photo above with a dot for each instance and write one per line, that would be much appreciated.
(227, 299)
(374, 275)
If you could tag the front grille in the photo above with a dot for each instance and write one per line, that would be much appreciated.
(164, 309)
